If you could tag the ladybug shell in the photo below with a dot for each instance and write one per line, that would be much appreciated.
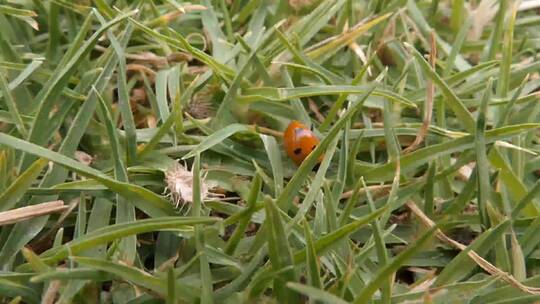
(299, 141)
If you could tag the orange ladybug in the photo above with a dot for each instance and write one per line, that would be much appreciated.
(299, 141)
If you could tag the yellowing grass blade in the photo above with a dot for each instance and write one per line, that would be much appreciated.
(332, 45)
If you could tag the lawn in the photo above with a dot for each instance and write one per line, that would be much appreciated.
(144, 156)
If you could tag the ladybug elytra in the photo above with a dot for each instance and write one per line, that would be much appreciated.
(299, 141)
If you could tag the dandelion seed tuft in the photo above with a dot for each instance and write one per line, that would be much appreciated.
(179, 187)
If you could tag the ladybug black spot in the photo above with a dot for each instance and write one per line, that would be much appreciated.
(313, 148)
(297, 151)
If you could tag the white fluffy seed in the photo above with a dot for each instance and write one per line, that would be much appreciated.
(179, 182)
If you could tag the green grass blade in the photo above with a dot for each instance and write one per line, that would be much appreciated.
(53, 88)
(452, 100)
(382, 254)
(124, 211)
(12, 289)
(315, 293)
(425, 155)
(282, 94)
(462, 264)
(18, 188)
(142, 198)
(216, 138)
(110, 233)
(123, 98)
(385, 272)
(12, 104)
(246, 217)
(280, 253)
(133, 275)
(313, 268)
(484, 185)
(327, 241)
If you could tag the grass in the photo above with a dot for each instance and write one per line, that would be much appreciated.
(424, 188)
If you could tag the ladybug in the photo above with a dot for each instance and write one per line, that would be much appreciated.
(299, 141)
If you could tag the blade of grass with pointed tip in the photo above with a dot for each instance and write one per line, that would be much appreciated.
(280, 253)
(136, 276)
(100, 216)
(422, 156)
(124, 211)
(327, 241)
(227, 106)
(514, 185)
(274, 156)
(123, 97)
(19, 186)
(282, 94)
(47, 97)
(518, 259)
(110, 233)
(81, 120)
(380, 247)
(416, 15)
(206, 275)
(328, 49)
(239, 231)
(464, 197)
(343, 97)
(246, 276)
(216, 138)
(452, 100)
(315, 185)
(161, 94)
(341, 177)
(455, 80)
(312, 262)
(504, 114)
(81, 273)
(142, 198)
(328, 76)
(181, 43)
(12, 289)
(220, 48)
(351, 203)
(308, 70)
(456, 46)
(12, 104)
(482, 168)
(34, 261)
(315, 294)
(530, 239)
(167, 124)
(462, 265)
(299, 109)
(308, 26)
(528, 198)
(385, 272)
(104, 8)
(429, 191)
